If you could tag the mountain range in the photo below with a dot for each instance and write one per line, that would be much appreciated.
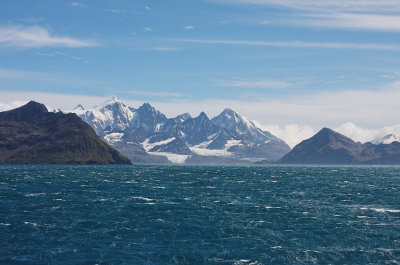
(32, 135)
(145, 135)
(330, 147)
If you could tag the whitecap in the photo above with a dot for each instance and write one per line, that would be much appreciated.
(380, 210)
(32, 224)
(276, 247)
(34, 194)
(143, 198)
(272, 207)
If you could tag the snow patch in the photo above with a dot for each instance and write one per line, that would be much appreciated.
(388, 139)
(201, 149)
(113, 137)
(148, 146)
(174, 158)
(231, 143)
(210, 152)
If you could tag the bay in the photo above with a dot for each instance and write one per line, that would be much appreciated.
(199, 215)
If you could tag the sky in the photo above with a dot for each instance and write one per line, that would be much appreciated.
(292, 66)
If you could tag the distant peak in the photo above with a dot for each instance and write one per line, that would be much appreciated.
(202, 115)
(34, 106)
(28, 112)
(326, 130)
(146, 106)
(229, 110)
(229, 113)
(111, 101)
(79, 107)
(183, 117)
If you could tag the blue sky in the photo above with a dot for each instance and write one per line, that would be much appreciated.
(282, 63)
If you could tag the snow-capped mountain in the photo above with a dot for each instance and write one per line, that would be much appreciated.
(110, 116)
(388, 139)
(147, 135)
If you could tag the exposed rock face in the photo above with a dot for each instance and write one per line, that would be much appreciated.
(32, 135)
(330, 147)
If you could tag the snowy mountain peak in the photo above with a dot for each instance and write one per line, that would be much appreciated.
(388, 139)
(229, 119)
(183, 117)
(229, 111)
(79, 108)
(108, 102)
(146, 107)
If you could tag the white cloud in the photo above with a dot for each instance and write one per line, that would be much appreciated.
(295, 44)
(363, 135)
(188, 27)
(35, 36)
(147, 8)
(350, 21)
(292, 134)
(355, 132)
(266, 84)
(12, 105)
(148, 29)
(78, 4)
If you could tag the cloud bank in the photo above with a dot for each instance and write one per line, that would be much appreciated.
(372, 114)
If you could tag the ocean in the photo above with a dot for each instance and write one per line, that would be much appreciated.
(199, 215)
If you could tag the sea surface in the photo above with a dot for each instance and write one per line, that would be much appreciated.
(199, 215)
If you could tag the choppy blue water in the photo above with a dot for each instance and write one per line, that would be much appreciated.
(199, 215)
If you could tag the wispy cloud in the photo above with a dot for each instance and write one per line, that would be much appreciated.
(23, 75)
(164, 49)
(78, 4)
(148, 29)
(155, 94)
(331, 5)
(32, 20)
(116, 11)
(371, 15)
(349, 21)
(189, 27)
(45, 77)
(247, 83)
(34, 37)
(295, 44)
(147, 8)
(63, 54)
